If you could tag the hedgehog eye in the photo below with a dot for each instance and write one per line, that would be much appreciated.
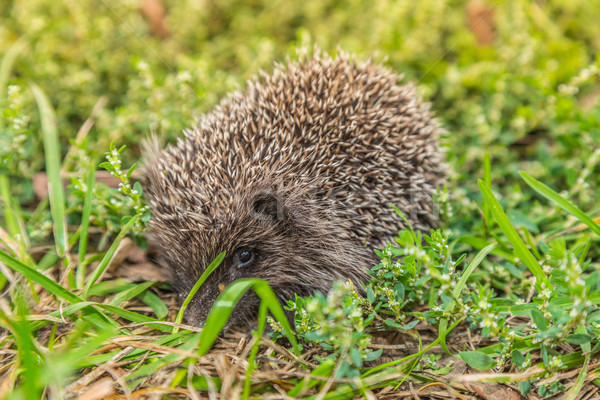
(245, 258)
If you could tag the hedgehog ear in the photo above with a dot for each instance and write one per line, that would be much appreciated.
(267, 206)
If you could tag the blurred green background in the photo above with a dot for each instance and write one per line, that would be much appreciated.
(515, 78)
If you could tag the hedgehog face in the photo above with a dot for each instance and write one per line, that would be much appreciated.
(272, 236)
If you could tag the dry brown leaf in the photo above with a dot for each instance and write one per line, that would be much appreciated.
(40, 182)
(494, 391)
(480, 18)
(98, 390)
(120, 255)
(155, 13)
(143, 272)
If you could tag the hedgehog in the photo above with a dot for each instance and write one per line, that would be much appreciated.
(293, 178)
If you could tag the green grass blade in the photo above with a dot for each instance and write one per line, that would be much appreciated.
(109, 254)
(53, 161)
(85, 224)
(209, 270)
(472, 265)
(406, 221)
(62, 313)
(39, 278)
(479, 243)
(266, 294)
(530, 242)
(88, 306)
(156, 304)
(262, 319)
(221, 310)
(459, 287)
(513, 237)
(91, 314)
(130, 293)
(128, 315)
(586, 348)
(573, 393)
(560, 201)
(28, 355)
(10, 217)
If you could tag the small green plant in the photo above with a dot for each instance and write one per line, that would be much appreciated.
(131, 201)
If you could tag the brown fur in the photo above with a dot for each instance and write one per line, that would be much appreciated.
(302, 167)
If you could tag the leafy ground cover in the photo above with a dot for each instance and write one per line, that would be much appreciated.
(500, 302)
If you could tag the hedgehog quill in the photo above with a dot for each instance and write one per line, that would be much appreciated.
(293, 177)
